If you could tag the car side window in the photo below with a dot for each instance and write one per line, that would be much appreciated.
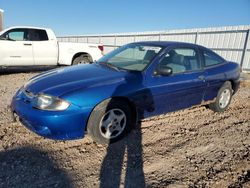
(211, 59)
(16, 35)
(181, 60)
(37, 35)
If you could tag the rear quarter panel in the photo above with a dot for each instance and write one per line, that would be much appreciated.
(216, 76)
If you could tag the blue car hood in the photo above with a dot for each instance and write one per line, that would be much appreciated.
(64, 80)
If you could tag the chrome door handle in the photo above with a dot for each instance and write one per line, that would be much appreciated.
(27, 44)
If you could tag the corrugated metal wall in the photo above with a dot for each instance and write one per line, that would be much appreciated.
(233, 43)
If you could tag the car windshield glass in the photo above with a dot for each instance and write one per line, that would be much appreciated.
(133, 57)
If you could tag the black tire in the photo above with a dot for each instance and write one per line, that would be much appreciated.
(217, 105)
(82, 59)
(95, 126)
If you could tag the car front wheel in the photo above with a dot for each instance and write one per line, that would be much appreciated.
(223, 98)
(109, 121)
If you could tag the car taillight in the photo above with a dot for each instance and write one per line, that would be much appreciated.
(101, 48)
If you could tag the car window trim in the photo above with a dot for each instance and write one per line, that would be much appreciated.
(216, 65)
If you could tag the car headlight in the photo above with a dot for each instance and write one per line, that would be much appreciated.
(47, 102)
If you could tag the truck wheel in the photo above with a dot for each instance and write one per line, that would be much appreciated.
(223, 98)
(109, 121)
(82, 59)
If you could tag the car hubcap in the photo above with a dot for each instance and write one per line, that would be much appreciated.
(224, 98)
(112, 123)
(82, 62)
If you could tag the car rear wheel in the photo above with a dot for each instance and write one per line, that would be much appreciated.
(109, 121)
(82, 59)
(223, 98)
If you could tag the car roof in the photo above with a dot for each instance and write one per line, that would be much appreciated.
(167, 43)
(25, 27)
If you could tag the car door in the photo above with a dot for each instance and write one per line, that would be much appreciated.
(186, 85)
(45, 50)
(15, 48)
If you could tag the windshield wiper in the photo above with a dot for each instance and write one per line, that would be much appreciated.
(111, 66)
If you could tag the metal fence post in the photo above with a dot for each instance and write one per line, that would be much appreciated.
(196, 37)
(245, 48)
(115, 41)
(99, 39)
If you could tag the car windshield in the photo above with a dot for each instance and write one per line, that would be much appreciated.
(134, 57)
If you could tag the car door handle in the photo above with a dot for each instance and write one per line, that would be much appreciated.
(27, 44)
(201, 77)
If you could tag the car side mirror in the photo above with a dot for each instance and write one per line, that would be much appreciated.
(2, 37)
(163, 71)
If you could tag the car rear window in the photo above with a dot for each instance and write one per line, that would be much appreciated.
(212, 59)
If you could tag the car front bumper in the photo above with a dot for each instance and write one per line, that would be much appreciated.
(59, 125)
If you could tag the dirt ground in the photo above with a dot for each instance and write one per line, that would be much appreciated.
(189, 148)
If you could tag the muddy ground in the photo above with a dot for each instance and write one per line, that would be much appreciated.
(189, 148)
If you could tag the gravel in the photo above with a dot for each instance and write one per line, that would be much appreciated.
(189, 148)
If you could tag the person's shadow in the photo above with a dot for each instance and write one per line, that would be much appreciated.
(31, 167)
(116, 159)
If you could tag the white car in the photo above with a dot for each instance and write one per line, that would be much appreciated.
(31, 46)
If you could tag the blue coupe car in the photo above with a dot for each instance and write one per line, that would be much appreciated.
(135, 81)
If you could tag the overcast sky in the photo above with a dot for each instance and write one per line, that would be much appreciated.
(73, 17)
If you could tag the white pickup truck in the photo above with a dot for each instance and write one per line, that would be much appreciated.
(31, 46)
